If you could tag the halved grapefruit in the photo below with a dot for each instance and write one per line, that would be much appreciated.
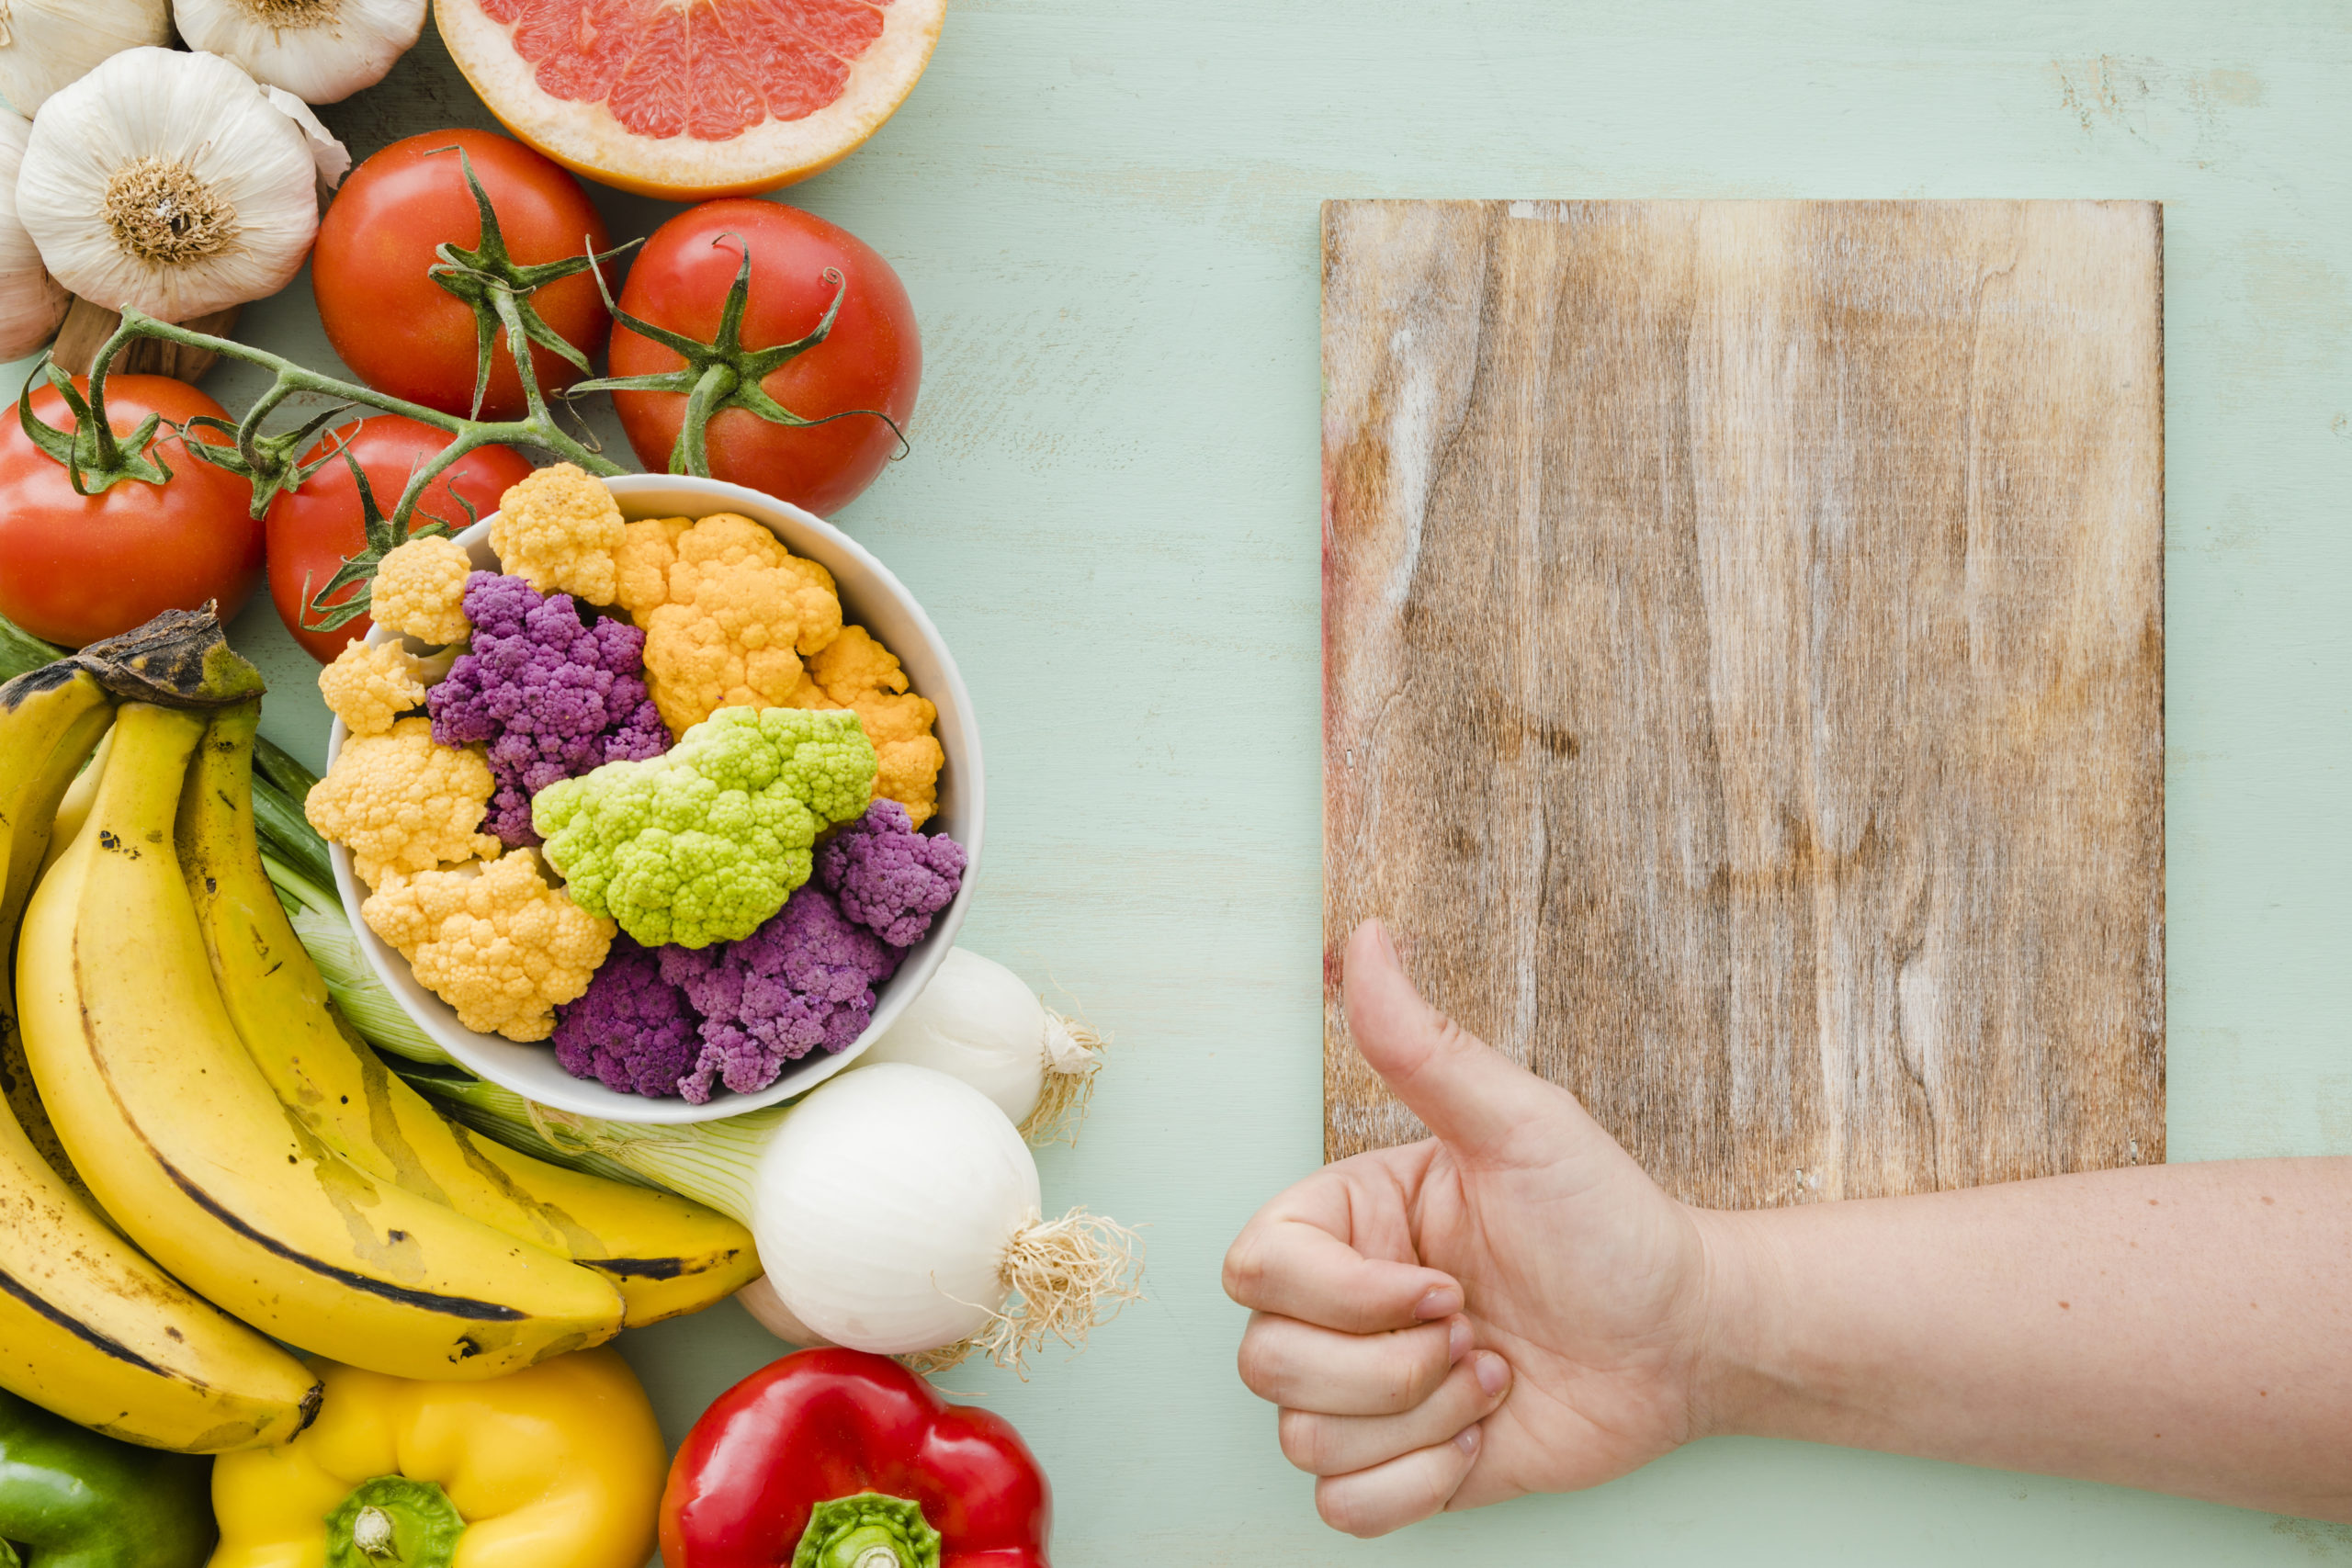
(691, 99)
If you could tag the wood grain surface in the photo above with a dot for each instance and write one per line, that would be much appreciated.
(1744, 672)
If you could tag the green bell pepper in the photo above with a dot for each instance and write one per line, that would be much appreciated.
(70, 1498)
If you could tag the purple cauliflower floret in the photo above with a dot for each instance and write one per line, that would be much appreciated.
(889, 878)
(631, 1029)
(553, 696)
(802, 982)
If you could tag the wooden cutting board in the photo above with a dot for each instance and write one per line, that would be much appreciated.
(1744, 673)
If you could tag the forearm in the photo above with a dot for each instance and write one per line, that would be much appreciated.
(2184, 1328)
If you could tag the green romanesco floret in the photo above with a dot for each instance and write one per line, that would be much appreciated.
(705, 842)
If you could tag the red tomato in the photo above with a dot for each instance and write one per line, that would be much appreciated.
(313, 530)
(872, 359)
(74, 568)
(403, 333)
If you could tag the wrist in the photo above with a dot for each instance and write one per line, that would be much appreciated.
(1743, 1282)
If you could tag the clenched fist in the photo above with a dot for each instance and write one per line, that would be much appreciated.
(1509, 1306)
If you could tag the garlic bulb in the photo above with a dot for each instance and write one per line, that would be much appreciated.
(169, 183)
(31, 304)
(320, 51)
(44, 44)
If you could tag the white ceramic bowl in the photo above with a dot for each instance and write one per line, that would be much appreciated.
(872, 598)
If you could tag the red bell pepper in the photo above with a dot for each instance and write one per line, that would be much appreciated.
(836, 1459)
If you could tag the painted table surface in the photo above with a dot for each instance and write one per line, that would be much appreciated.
(1106, 213)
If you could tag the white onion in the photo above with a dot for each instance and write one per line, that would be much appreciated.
(978, 1021)
(885, 1204)
(767, 1309)
(32, 303)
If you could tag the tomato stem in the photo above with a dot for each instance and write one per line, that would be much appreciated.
(498, 290)
(724, 374)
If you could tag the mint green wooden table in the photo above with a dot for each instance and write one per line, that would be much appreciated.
(1106, 210)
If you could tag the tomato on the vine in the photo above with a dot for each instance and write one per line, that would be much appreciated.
(77, 568)
(399, 331)
(872, 359)
(315, 528)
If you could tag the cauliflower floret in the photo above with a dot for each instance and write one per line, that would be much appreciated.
(705, 842)
(493, 940)
(858, 672)
(401, 803)
(729, 614)
(368, 687)
(631, 1029)
(889, 878)
(420, 590)
(803, 982)
(556, 530)
(552, 695)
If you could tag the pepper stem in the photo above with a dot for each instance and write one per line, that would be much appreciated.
(371, 1532)
(394, 1521)
(870, 1529)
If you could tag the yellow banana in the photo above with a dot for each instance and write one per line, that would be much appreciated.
(74, 807)
(52, 719)
(176, 1130)
(665, 1254)
(89, 1326)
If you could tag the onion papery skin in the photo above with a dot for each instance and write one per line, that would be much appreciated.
(884, 1206)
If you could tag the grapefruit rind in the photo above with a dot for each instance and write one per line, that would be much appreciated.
(586, 137)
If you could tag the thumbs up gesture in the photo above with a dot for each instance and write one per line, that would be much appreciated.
(1510, 1305)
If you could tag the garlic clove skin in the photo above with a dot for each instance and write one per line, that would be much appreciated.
(45, 44)
(330, 157)
(320, 51)
(168, 183)
(31, 302)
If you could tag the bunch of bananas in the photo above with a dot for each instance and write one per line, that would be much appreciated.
(196, 1143)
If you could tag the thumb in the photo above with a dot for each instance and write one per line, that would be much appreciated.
(1465, 1090)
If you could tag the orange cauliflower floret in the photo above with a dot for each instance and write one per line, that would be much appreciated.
(727, 612)
(858, 672)
(420, 590)
(368, 687)
(403, 804)
(493, 940)
(556, 530)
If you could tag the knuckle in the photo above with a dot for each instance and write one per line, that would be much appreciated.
(1245, 1268)
(1452, 1039)
(1346, 1509)
(1306, 1440)
(1409, 1376)
(1259, 1364)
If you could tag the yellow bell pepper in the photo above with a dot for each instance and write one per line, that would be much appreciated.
(559, 1465)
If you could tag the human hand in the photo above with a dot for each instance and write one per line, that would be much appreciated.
(1511, 1305)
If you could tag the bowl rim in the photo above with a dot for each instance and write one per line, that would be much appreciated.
(586, 1096)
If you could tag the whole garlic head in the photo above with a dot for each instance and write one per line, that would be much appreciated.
(168, 183)
(44, 44)
(31, 304)
(320, 51)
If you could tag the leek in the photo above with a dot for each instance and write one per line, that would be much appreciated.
(466, 1098)
(711, 1162)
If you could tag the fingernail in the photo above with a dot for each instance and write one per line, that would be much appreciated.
(1387, 944)
(1443, 1300)
(1492, 1371)
(1466, 1440)
(1457, 1340)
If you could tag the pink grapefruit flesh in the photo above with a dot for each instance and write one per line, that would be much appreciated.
(691, 99)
